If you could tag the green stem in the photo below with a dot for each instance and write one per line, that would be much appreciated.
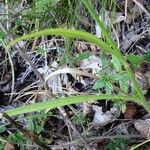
(94, 40)
(67, 53)
(94, 15)
(69, 33)
(136, 86)
(51, 104)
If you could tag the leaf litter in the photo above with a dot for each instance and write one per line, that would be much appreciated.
(77, 78)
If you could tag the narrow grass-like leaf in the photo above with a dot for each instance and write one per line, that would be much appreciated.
(94, 15)
(134, 59)
(67, 33)
(99, 84)
(92, 39)
(55, 103)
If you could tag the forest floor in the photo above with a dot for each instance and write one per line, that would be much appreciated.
(73, 68)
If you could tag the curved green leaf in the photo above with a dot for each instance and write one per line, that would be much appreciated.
(64, 101)
(94, 40)
(70, 33)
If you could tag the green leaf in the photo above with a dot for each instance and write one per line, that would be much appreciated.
(147, 56)
(31, 124)
(41, 5)
(2, 35)
(123, 107)
(2, 129)
(123, 86)
(40, 51)
(81, 56)
(108, 48)
(95, 17)
(116, 63)
(123, 77)
(51, 104)
(105, 62)
(109, 85)
(2, 145)
(98, 84)
(134, 59)
(109, 88)
(69, 33)
(16, 137)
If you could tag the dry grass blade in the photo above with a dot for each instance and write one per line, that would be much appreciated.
(71, 71)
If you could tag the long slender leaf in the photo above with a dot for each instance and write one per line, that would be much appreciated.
(70, 33)
(92, 39)
(64, 101)
(99, 22)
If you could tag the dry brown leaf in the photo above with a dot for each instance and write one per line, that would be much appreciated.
(130, 112)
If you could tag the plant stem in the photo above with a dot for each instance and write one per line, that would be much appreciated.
(92, 39)
(136, 86)
(51, 104)
(94, 15)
